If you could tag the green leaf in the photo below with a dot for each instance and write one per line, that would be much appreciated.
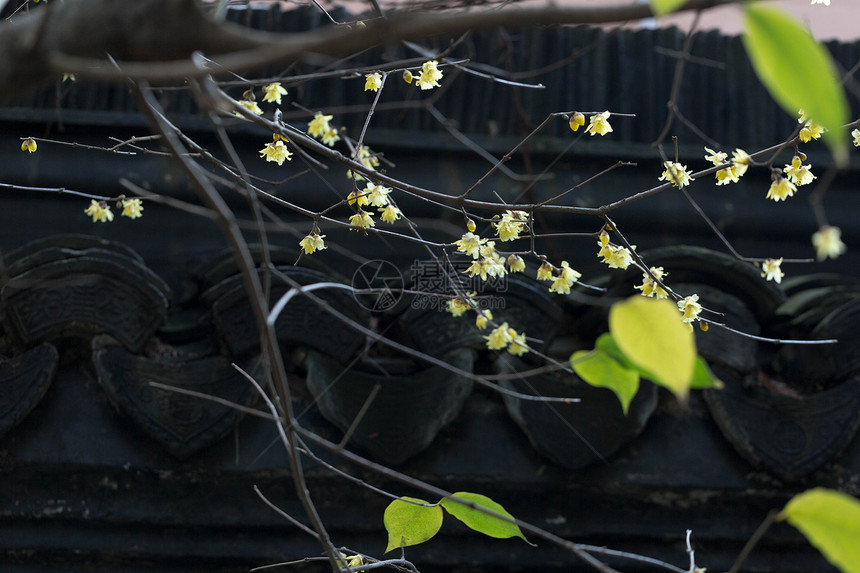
(411, 524)
(798, 71)
(831, 522)
(663, 7)
(602, 370)
(480, 521)
(703, 378)
(653, 337)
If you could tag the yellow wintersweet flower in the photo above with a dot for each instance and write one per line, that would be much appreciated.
(728, 175)
(798, 173)
(856, 135)
(377, 194)
(484, 316)
(496, 266)
(132, 208)
(29, 144)
(470, 225)
(605, 248)
(676, 174)
(691, 308)
(566, 277)
(771, 271)
(516, 264)
(544, 273)
(650, 287)
(488, 250)
(319, 127)
(273, 92)
(715, 157)
(359, 197)
(621, 258)
(312, 243)
(430, 75)
(276, 151)
(491, 261)
(741, 161)
(250, 105)
(577, 120)
(500, 337)
(390, 213)
(367, 157)
(362, 220)
(599, 124)
(511, 225)
(407, 77)
(781, 189)
(470, 244)
(518, 346)
(487, 266)
(330, 137)
(828, 242)
(478, 268)
(810, 131)
(560, 286)
(373, 82)
(99, 211)
(457, 306)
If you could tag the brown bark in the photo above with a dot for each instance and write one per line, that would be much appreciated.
(153, 39)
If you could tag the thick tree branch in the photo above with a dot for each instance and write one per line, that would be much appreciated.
(153, 39)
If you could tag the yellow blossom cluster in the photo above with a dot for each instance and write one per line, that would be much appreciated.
(828, 242)
(856, 135)
(598, 124)
(733, 172)
(29, 144)
(250, 104)
(430, 75)
(516, 264)
(376, 196)
(561, 282)
(650, 287)
(372, 82)
(320, 128)
(368, 159)
(362, 220)
(810, 129)
(511, 224)
(740, 162)
(277, 150)
(770, 270)
(272, 93)
(312, 242)
(457, 306)
(506, 337)
(676, 174)
(798, 173)
(690, 308)
(101, 213)
(487, 262)
(615, 256)
(780, 189)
